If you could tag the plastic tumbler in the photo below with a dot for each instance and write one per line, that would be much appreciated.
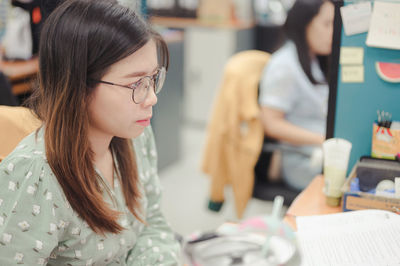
(336, 159)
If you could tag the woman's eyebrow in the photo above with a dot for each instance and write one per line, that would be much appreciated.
(139, 74)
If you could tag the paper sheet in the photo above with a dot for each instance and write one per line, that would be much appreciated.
(351, 55)
(352, 74)
(384, 29)
(361, 238)
(321, 222)
(356, 17)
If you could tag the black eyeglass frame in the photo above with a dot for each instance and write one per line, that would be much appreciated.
(134, 85)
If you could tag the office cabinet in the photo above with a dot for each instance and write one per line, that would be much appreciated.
(206, 50)
(167, 113)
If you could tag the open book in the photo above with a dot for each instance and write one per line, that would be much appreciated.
(358, 238)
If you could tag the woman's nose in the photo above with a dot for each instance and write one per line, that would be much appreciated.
(151, 98)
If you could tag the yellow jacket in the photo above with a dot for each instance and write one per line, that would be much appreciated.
(15, 124)
(235, 133)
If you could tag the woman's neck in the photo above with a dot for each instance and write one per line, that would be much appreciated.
(99, 143)
(103, 160)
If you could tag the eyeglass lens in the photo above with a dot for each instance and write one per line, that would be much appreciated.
(142, 87)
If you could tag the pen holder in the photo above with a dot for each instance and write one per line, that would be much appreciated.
(385, 142)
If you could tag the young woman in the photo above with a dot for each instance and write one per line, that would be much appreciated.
(78, 191)
(294, 90)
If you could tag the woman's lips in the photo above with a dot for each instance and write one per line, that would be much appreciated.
(144, 122)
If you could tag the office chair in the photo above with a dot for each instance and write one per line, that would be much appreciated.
(264, 187)
(15, 124)
(6, 95)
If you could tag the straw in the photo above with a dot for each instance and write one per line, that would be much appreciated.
(276, 210)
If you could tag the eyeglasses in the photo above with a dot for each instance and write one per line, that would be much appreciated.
(140, 88)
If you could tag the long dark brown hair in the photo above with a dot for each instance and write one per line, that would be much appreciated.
(79, 42)
(298, 18)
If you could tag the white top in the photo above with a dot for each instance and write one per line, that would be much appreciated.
(285, 86)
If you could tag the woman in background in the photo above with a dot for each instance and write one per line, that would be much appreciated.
(294, 90)
(78, 191)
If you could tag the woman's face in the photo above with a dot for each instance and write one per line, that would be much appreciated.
(319, 31)
(112, 111)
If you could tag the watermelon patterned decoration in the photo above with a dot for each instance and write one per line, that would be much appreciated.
(389, 72)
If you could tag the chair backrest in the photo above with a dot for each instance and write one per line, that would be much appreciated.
(15, 124)
(237, 95)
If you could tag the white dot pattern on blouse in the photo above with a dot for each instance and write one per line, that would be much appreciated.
(39, 227)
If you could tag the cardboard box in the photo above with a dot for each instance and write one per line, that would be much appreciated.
(361, 200)
(385, 142)
(220, 11)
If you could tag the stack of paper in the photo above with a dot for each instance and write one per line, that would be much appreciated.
(359, 238)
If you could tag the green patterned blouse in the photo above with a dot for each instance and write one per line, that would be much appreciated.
(39, 227)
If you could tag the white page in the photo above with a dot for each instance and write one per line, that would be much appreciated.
(321, 222)
(384, 28)
(360, 245)
(360, 238)
(356, 17)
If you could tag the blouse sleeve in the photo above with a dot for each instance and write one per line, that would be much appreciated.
(277, 86)
(30, 224)
(156, 244)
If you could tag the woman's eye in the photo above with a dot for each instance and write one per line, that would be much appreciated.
(135, 82)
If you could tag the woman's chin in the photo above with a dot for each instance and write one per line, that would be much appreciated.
(133, 134)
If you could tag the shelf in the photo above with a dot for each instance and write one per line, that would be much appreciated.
(174, 22)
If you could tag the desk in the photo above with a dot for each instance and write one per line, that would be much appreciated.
(20, 73)
(311, 201)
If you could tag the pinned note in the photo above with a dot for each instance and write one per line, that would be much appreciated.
(384, 31)
(352, 74)
(351, 55)
(356, 17)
